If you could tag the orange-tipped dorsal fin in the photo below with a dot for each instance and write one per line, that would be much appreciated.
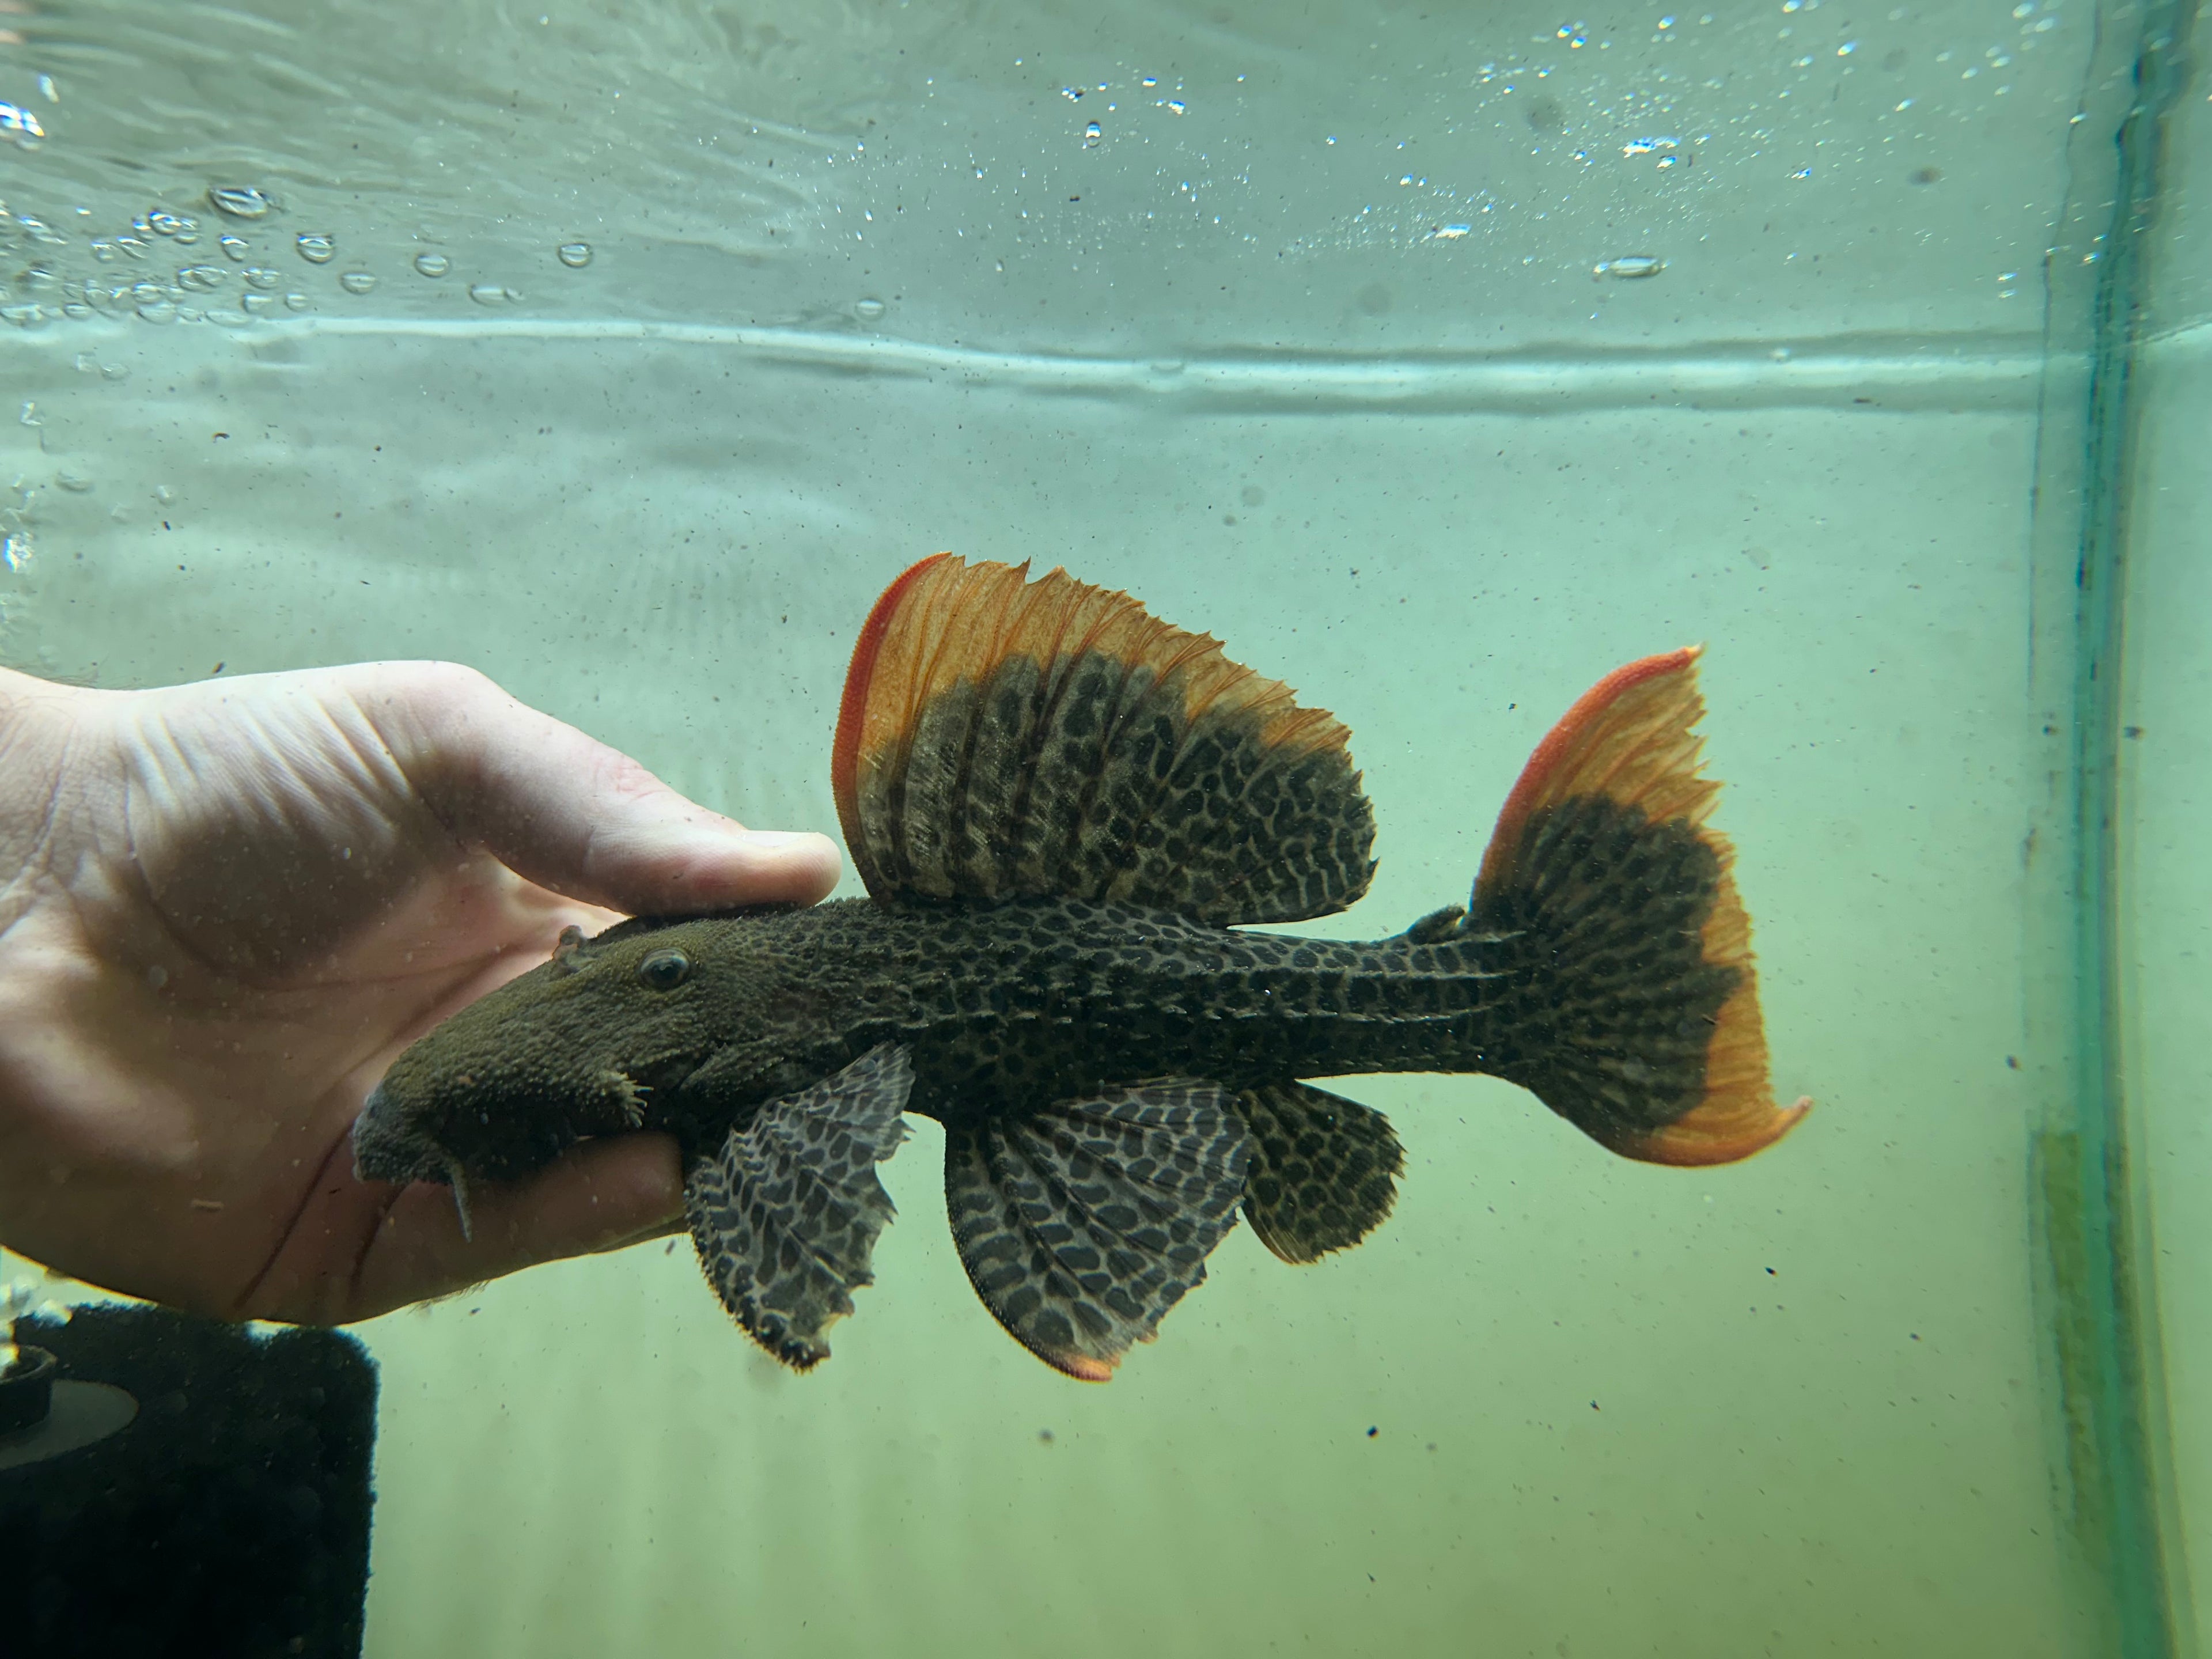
(1003, 737)
(1640, 973)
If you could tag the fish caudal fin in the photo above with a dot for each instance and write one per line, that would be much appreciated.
(1081, 1225)
(787, 1213)
(1324, 1170)
(1630, 1004)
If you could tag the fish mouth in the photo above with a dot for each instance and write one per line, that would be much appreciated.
(396, 1143)
(386, 1148)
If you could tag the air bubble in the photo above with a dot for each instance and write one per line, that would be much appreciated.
(433, 264)
(235, 247)
(1092, 133)
(240, 201)
(157, 311)
(357, 282)
(202, 279)
(317, 250)
(256, 305)
(575, 255)
(1667, 149)
(21, 124)
(489, 294)
(261, 276)
(869, 310)
(1630, 266)
(296, 301)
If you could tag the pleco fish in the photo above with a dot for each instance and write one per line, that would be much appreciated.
(1061, 808)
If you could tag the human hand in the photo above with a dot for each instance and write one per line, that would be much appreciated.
(225, 907)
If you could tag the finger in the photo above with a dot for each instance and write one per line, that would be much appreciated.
(600, 1197)
(568, 811)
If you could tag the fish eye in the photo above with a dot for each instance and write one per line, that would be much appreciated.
(663, 970)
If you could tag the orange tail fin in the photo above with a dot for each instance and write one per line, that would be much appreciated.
(1633, 1006)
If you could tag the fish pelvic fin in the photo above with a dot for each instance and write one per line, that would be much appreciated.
(1083, 1223)
(1629, 1005)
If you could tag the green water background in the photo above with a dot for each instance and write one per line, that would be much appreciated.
(1309, 346)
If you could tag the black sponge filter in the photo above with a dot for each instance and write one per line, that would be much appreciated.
(230, 1516)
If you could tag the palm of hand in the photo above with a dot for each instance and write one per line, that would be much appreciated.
(246, 900)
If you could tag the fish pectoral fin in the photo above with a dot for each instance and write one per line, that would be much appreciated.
(1324, 1170)
(1002, 738)
(1081, 1225)
(787, 1212)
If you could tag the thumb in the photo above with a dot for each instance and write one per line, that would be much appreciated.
(569, 813)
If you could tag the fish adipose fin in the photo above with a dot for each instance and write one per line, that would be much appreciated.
(1324, 1170)
(1630, 1006)
(785, 1215)
(1001, 738)
(1082, 1225)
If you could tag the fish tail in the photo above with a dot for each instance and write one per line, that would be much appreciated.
(1629, 1000)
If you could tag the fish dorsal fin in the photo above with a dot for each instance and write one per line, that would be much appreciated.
(1008, 739)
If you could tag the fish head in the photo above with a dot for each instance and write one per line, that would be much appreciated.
(576, 1048)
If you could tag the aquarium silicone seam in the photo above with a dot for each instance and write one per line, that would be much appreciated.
(2090, 1223)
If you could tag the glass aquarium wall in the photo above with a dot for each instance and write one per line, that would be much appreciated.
(1435, 360)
